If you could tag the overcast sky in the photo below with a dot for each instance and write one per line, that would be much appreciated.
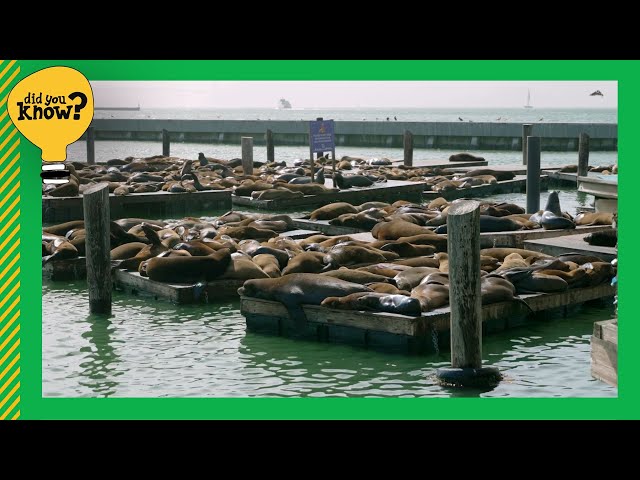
(265, 94)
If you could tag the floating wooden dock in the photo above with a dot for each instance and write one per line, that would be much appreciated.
(71, 269)
(560, 177)
(516, 185)
(388, 191)
(180, 293)
(405, 333)
(147, 205)
(604, 351)
(570, 243)
(516, 168)
(323, 226)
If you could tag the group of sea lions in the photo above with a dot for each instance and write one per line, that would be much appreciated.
(269, 181)
(603, 169)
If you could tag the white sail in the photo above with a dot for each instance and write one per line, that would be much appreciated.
(528, 105)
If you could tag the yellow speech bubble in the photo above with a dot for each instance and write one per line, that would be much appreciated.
(52, 108)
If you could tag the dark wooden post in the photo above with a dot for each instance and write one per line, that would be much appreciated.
(91, 147)
(270, 150)
(527, 128)
(533, 174)
(95, 201)
(463, 246)
(166, 143)
(247, 155)
(408, 148)
(583, 155)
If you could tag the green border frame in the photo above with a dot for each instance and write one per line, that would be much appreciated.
(33, 406)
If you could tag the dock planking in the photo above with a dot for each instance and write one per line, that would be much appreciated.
(516, 185)
(69, 269)
(405, 333)
(147, 205)
(388, 191)
(570, 243)
(604, 351)
(180, 293)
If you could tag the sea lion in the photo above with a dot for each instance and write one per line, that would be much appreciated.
(195, 248)
(396, 229)
(357, 276)
(281, 255)
(127, 250)
(333, 210)
(465, 157)
(603, 238)
(386, 288)
(63, 228)
(59, 249)
(307, 262)
(405, 249)
(551, 221)
(431, 295)
(412, 277)
(419, 262)
(599, 218)
(128, 223)
(500, 175)
(360, 220)
(599, 272)
(188, 269)
(268, 263)
(240, 233)
(298, 289)
(276, 194)
(242, 267)
(494, 289)
(368, 205)
(341, 255)
(512, 260)
(489, 223)
(380, 302)
(501, 253)
(540, 282)
(579, 258)
(350, 181)
(575, 278)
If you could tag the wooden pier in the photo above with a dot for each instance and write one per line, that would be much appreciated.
(147, 205)
(180, 293)
(388, 191)
(516, 185)
(405, 333)
(604, 351)
(70, 269)
(570, 243)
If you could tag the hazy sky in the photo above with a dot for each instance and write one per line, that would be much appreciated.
(301, 94)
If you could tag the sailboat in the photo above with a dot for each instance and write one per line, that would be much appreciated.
(528, 105)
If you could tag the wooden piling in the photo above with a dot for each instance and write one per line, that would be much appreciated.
(270, 149)
(247, 155)
(527, 129)
(463, 247)
(408, 148)
(98, 249)
(583, 155)
(463, 227)
(91, 147)
(533, 174)
(166, 142)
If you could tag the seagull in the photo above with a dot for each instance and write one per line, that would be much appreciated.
(541, 118)
(395, 118)
(596, 94)
(498, 118)
(460, 118)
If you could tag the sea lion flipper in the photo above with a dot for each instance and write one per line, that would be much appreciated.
(520, 300)
(298, 317)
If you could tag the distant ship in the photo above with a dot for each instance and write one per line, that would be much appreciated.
(282, 103)
(135, 109)
(528, 105)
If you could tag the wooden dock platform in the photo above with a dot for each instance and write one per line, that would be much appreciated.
(560, 177)
(516, 185)
(388, 191)
(604, 351)
(517, 168)
(444, 164)
(323, 226)
(71, 269)
(146, 205)
(180, 293)
(570, 243)
(405, 333)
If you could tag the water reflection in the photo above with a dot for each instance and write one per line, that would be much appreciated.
(97, 370)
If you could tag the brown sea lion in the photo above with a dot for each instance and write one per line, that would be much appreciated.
(431, 295)
(373, 301)
(59, 249)
(188, 269)
(412, 277)
(419, 262)
(407, 250)
(604, 238)
(343, 255)
(298, 289)
(357, 276)
(242, 267)
(241, 233)
(268, 263)
(438, 241)
(127, 250)
(499, 174)
(306, 262)
(512, 260)
(501, 253)
(333, 210)
(62, 228)
(396, 229)
(599, 218)
(386, 288)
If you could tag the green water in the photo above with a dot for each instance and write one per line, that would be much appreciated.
(152, 348)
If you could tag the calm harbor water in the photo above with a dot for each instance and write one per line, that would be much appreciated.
(153, 348)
